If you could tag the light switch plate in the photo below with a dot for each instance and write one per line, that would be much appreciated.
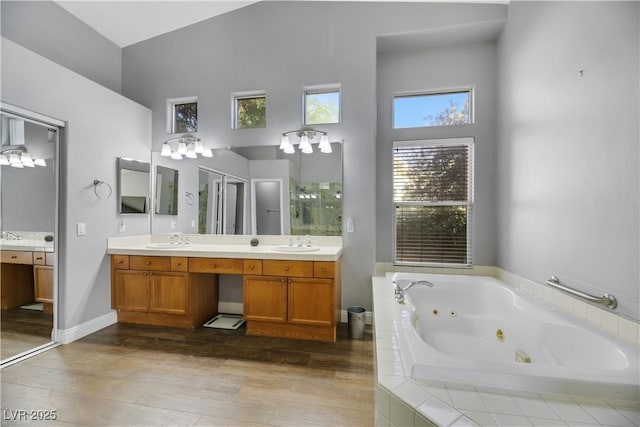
(81, 228)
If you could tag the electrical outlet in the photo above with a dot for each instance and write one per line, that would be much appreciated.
(174, 224)
(193, 224)
(351, 227)
(122, 226)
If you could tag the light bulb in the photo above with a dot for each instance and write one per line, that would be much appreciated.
(182, 148)
(207, 152)
(289, 149)
(14, 159)
(176, 156)
(40, 162)
(304, 143)
(3, 160)
(307, 149)
(166, 150)
(199, 148)
(191, 154)
(284, 142)
(324, 146)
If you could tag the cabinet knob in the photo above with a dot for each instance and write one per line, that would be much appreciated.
(148, 263)
(251, 267)
(178, 264)
(121, 262)
(323, 270)
(286, 269)
(213, 266)
(38, 258)
(14, 256)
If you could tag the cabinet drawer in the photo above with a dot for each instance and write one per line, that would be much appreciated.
(120, 262)
(50, 257)
(17, 257)
(179, 264)
(215, 265)
(287, 268)
(153, 263)
(252, 266)
(38, 258)
(324, 269)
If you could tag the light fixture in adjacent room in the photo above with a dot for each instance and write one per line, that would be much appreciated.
(306, 136)
(188, 146)
(19, 157)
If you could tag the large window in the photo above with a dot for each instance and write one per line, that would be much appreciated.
(322, 105)
(182, 115)
(432, 109)
(433, 201)
(249, 110)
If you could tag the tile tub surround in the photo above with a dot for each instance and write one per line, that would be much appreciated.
(226, 246)
(403, 401)
(611, 322)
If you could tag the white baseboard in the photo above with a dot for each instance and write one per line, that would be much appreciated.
(66, 336)
(230, 307)
(368, 317)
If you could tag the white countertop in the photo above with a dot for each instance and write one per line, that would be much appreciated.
(328, 248)
(30, 241)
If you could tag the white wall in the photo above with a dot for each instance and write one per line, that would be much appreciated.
(312, 43)
(568, 146)
(49, 30)
(101, 126)
(469, 65)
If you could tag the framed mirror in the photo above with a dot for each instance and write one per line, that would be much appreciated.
(309, 201)
(133, 186)
(166, 196)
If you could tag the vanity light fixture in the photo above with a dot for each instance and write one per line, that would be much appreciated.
(19, 157)
(305, 135)
(188, 146)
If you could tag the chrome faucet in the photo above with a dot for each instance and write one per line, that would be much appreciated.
(400, 292)
(11, 236)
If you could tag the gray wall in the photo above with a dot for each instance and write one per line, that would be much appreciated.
(87, 152)
(568, 143)
(312, 43)
(458, 66)
(49, 30)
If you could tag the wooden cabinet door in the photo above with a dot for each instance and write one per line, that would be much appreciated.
(132, 290)
(169, 293)
(43, 283)
(311, 302)
(265, 298)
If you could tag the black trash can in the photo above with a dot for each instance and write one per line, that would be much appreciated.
(356, 320)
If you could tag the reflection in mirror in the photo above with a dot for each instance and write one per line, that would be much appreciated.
(222, 204)
(267, 213)
(166, 198)
(133, 186)
(28, 203)
(310, 188)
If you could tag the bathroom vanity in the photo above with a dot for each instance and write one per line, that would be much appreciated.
(27, 274)
(294, 294)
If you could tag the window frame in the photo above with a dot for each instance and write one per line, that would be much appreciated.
(171, 113)
(470, 202)
(321, 89)
(235, 96)
(464, 89)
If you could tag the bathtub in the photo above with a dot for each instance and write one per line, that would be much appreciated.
(476, 330)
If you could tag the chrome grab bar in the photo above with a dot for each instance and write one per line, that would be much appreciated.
(607, 299)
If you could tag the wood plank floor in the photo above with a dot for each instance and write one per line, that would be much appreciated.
(139, 375)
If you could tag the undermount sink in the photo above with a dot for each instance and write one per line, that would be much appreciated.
(296, 248)
(166, 246)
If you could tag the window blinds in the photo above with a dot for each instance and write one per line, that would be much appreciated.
(432, 193)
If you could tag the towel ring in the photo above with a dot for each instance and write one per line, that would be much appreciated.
(102, 194)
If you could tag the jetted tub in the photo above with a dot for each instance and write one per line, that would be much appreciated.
(477, 330)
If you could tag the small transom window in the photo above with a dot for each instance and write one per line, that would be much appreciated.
(249, 111)
(182, 115)
(321, 105)
(432, 109)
